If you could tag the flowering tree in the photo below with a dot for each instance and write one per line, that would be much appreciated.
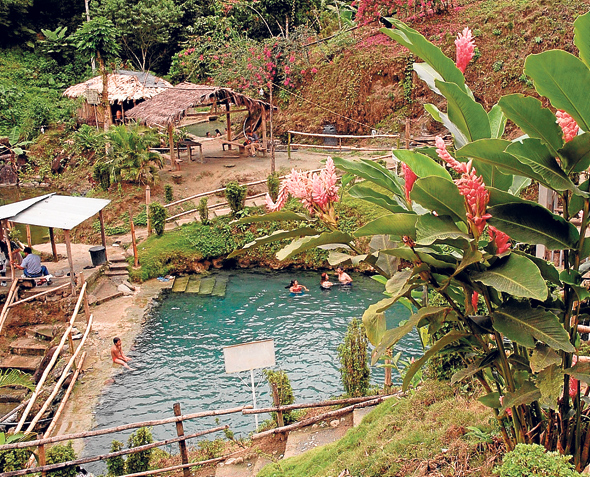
(371, 10)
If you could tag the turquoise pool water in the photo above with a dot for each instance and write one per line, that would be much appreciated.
(179, 357)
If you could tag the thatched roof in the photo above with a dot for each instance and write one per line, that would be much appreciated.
(170, 106)
(124, 85)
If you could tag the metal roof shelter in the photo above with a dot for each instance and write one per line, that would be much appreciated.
(56, 211)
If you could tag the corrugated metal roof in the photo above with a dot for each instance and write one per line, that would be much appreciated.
(59, 211)
(10, 210)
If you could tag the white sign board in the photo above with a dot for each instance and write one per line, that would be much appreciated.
(249, 356)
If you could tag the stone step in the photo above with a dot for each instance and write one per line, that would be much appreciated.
(180, 284)
(42, 332)
(194, 284)
(220, 286)
(116, 273)
(104, 299)
(119, 266)
(29, 347)
(16, 394)
(117, 259)
(28, 364)
(207, 285)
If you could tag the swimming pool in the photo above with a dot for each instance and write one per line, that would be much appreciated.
(179, 358)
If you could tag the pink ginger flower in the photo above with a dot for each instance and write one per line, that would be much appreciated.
(471, 186)
(474, 300)
(568, 125)
(465, 44)
(500, 239)
(409, 178)
(508, 411)
(573, 382)
(314, 70)
(441, 150)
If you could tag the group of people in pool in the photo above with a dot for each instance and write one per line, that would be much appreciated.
(325, 283)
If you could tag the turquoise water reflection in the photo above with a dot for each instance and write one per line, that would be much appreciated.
(179, 355)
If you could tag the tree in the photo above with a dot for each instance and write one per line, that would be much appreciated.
(97, 38)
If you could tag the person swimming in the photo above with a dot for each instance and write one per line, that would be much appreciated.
(343, 277)
(296, 287)
(325, 281)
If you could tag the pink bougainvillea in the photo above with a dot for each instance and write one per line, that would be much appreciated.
(568, 125)
(409, 178)
(465, 44)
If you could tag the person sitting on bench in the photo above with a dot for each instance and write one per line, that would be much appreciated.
(252, 142)
(31, 265)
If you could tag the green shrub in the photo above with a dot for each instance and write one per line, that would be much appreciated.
(61, 453)
(168, 193)
(13, 459)
(203, 211)
(102, 175)
(158, 217)
(531, 460)
(286, 397)
(140, 461)
(353, 360)
(236, 196)
(116, 465)
(212, 449)
(273, 183)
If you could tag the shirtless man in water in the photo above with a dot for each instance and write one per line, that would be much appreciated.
(117, 354)
(343, 277)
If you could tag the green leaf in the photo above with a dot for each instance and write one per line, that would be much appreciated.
(305, 243)
(465, 112)
(397, 284)
(421, 165)
(449, 338)
(458, 136)
(523, 324)
(500, 197)
(430, 228)
(373, 172)
(386, 263)
(470, 257)
(375, 327)
(274, 237)
(542, 357)
(563, 79)
(406, 253)
(516, 275)
(582, 38)
(547, 269)
(550, 383)
(538, 122)
(397, 225)
(392, 336)
(473, 368)
(497, 121)
(429, 75)
(339, 258)
(576, 154)
(534, 224)
(439, 195)
(580, 371)
(368, 193)
(491, 400)
(272, 217)
(535, 154)
(526, 394)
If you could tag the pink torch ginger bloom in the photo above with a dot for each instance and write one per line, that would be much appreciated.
(500, 239)
(476, 196)
(441, 150)
(465, 44)
(508, 411)
(409, 178)
(568, 125)
(573, 382)
(474, 300)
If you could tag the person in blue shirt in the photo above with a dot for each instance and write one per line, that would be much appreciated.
(31, 265)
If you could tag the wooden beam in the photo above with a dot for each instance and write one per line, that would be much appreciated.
(53, 246)
(70, 260)
(103, 236)
(228, 121)
(264, 138)
(181, 444)
(173, 162)
(331, 402)
(51, 290)
(29, 240)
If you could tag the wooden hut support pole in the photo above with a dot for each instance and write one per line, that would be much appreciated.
(103, 236)
(29, 240)
(10, 253)
(70, 260)
(148, 200)
(181, 444)
(133, 240)
(173, 163)
(289, 146)
(228, 123)
(264, 138)
(53, 246)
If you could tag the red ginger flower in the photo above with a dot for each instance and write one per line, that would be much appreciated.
(441, 150)
(568, 125)
(410, 178)
(476, 196)
(500, 239)
(474, 300)
(573, 381)
(465, 44)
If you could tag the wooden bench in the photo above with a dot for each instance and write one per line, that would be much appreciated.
(239, 145)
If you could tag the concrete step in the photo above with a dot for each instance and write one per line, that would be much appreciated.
(104, 299)
(29, 347)
(194, 284)
(207, 285)
(116, 273)
(16, 394)
(119, 266)
(180, 284)
(42, 332)
(117, 259)
(220, 286)
(28, 364)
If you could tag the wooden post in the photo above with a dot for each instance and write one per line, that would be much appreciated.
(103, 236)
(272, 143)
(147, 208)
(53, 247)
(86, 304)
(29, 241)
(407, 133)
(277, 402)
(181, 444)
(135, 256)
(70, 260)
(387, 381)
(228, 121)
(42, 460)
(289, 146)
(173, 163)
(10, 253)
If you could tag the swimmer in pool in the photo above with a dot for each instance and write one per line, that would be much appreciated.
(296, 287)
(343, 277)
(325, 281)
(117, 354)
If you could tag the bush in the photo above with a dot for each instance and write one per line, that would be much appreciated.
(203, 211)
(353, 359)
(140, 461)
(531, 460)
(158, 217)
(168, 193)
(236, 196)
(286, 397)
(13, 459)
(116, 465)
(273, 184)
(61, 453)
(102, 175)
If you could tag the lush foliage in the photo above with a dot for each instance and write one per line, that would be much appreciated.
(533, 460)
(371, 10)
(61, 453)
(354, 367)
(168, 193)
(273, 184)
(203, 210)
(236, 196)
(116, 465)
(139, 461)
(285, 391)
(158, 217)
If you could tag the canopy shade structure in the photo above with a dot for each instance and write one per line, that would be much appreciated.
(10, 210)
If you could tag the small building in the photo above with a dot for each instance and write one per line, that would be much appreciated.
(126, 89)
